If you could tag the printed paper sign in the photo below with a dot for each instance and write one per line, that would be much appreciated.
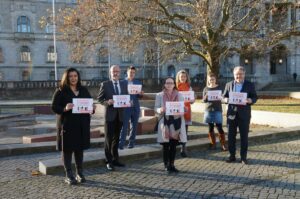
(237, 98)
(121, 101)
(215, 95)
(174, 108)
(188, 96)
(134, 89)
(82, 105)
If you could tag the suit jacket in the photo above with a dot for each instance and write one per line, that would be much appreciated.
(244, 111)
(135, 98)
(106, 92)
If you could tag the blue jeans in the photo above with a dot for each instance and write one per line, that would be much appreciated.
(130, 114)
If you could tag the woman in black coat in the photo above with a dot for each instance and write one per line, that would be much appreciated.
(73, 130)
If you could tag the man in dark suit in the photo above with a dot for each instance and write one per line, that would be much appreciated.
(113, 116)
(132, 113)
(239, 115)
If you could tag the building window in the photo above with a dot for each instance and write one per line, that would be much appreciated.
(51, 55)
(52, 75)
(126, 58)
(23, 24)
(103, 55)
(25, 75)
(25, 54)
(1, 76)
(1, 56)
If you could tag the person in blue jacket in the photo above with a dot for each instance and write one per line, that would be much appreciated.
(132, 113)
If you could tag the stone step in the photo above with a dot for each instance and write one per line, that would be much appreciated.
(43, 147)
(48, 137)
(145, 126)
(97, 159)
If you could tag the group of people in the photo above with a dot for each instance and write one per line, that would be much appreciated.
(74, 129)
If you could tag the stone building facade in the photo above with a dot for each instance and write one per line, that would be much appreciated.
(27, 52)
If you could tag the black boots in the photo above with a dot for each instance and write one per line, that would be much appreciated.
(78, 163)
(67, 159)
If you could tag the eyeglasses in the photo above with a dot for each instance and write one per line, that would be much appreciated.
(169, 83)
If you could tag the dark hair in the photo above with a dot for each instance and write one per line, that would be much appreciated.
(65, 82)
(131, 68)
(166, 80)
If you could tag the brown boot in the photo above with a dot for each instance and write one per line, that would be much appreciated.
(212, 140)
(223, 141)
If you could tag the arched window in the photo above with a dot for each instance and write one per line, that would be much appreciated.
(23, 24)
(1, 56)
(51, 55)
(25, 54)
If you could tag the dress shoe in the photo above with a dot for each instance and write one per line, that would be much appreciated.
(80, 178)
(172, 169)
(121, 148)
(244, 161)
(231, 160)
(118, 164)
(130, 146)
(110, 167)
(183, 154)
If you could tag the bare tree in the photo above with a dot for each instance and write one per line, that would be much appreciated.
(210, 29)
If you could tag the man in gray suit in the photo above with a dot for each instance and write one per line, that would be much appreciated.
(113, 116)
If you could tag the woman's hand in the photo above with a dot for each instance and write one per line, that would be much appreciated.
(162, 110)
(69, 106)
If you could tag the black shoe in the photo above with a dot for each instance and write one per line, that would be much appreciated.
(70, 180)
(244, 161)
(183, 154)
(110, 167)
(130, 146)
(80, 178)
(118, 164)
(121, 148)
(172, 169)
(231, 160)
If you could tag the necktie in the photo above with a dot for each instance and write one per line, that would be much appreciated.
(116, 88)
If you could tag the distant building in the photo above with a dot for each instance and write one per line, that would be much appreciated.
(27, 52)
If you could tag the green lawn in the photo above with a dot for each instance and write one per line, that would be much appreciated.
(287, 105)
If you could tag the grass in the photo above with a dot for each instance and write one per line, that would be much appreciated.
(286, 105)
(277, 104)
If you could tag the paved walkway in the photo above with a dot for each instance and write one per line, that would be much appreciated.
(274, 172)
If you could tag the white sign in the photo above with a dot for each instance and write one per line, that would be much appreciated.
(134, 89)
(215, 95)
(175, 108)
(121, 101)
(237, 98)
(82, 105)
(188, 96)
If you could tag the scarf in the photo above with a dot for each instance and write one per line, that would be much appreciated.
(172, 124)
(187, 105)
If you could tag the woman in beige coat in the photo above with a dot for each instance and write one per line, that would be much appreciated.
(171, 129)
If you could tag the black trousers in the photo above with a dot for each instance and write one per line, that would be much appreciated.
(169, 152)
(112, 136)
(243, 125)
(67, 160)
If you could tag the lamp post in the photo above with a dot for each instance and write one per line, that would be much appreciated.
(54, 39)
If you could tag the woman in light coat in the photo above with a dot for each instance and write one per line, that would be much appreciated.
(171, 129)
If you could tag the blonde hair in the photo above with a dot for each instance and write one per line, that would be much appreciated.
(188, 80)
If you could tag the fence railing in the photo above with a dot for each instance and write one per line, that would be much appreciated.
(42, 84)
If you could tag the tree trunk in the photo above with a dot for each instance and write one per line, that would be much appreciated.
(213, 65)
